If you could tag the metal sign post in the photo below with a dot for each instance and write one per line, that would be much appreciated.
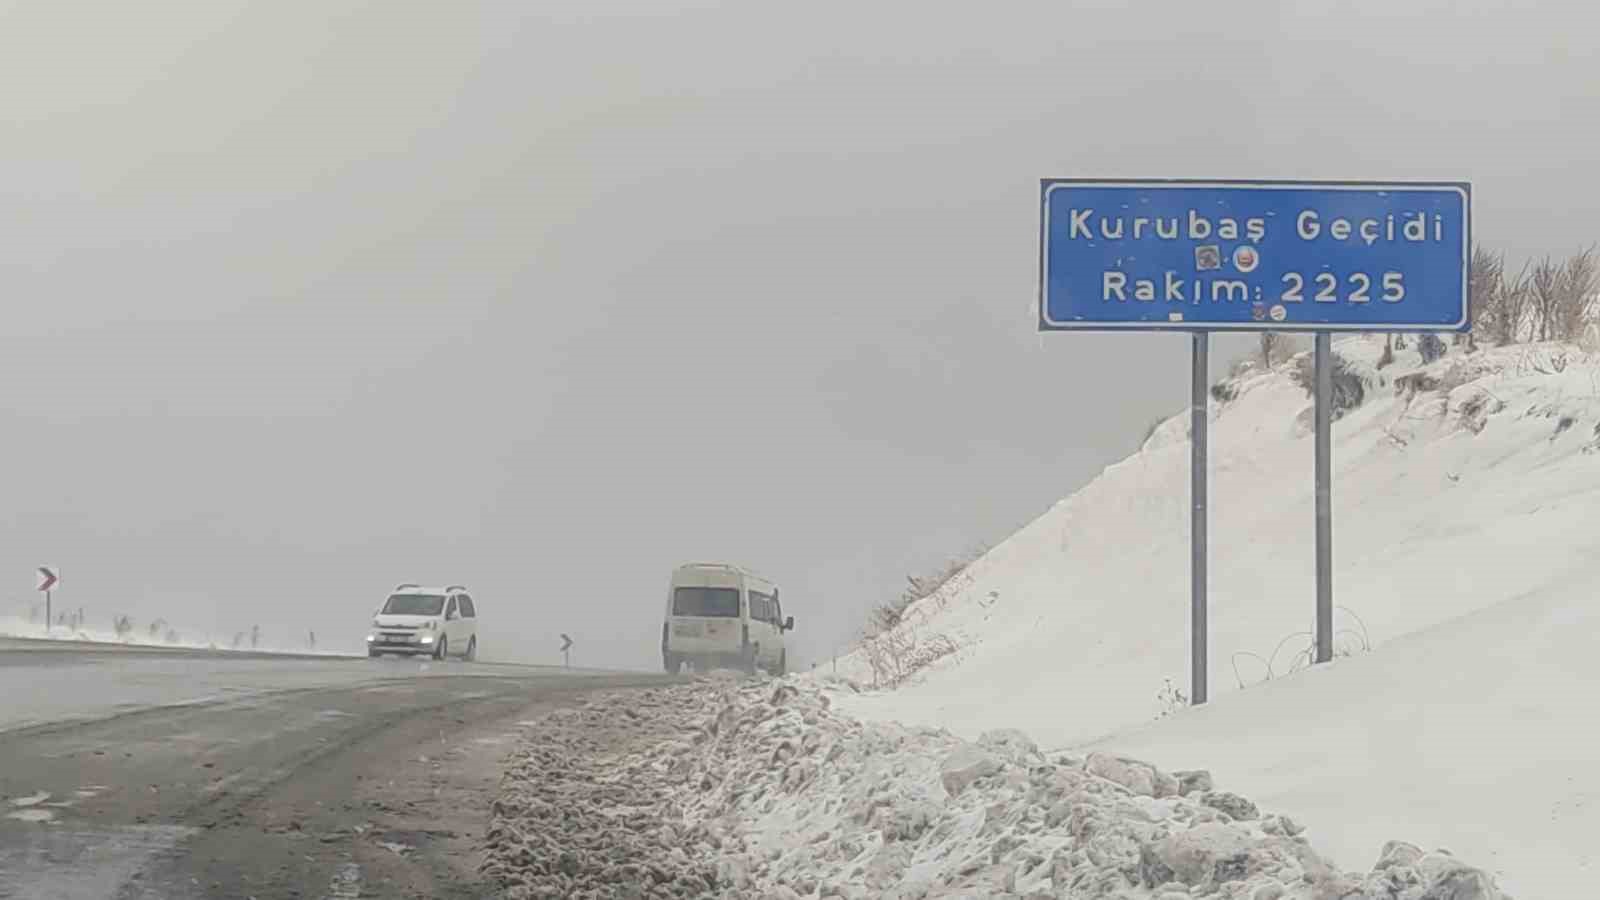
(1198, 428)
(1297, 256)
(1323, 377)
(566, 651)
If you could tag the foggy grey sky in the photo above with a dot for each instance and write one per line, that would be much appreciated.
(306, 299)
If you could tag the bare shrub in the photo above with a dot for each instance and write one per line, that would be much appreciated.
(1576, 294)
(1483, 280)
(1172, 699)
(1348, 390)
(1516, 302)
(1500, 305)
(888, 616)
(1277, 348)
(1544, 297)
(1561, 296)
(1430, 347)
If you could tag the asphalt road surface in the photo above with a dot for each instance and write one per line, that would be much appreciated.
(143, 775)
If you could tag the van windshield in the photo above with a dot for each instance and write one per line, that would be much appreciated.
(701, 601)
(414, 605)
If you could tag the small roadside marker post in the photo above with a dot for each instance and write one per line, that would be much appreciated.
(49, 577)
(566, 651)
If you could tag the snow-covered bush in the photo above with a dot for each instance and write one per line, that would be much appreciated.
(1224, 391)
(1349, 389)
(888, 616)
(1431, 348)
(1172, 699)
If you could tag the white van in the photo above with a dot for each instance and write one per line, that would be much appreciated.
(439, 622)
(721, 616)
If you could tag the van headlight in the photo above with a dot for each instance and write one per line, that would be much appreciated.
(427, 639)
(371, 638)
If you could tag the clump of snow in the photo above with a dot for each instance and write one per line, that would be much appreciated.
(762, 789)
(1463, 530)
(583, 811)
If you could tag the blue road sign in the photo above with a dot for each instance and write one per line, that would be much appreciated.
(1253, 256)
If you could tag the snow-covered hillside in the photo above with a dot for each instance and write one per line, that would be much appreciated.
(1466, 553)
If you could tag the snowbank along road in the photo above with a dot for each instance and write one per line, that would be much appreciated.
(207, 778)
(739, 789)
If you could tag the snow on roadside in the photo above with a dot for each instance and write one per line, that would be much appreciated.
(17, 627)
(747, 789)
(1465, 559)
(581, 813)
